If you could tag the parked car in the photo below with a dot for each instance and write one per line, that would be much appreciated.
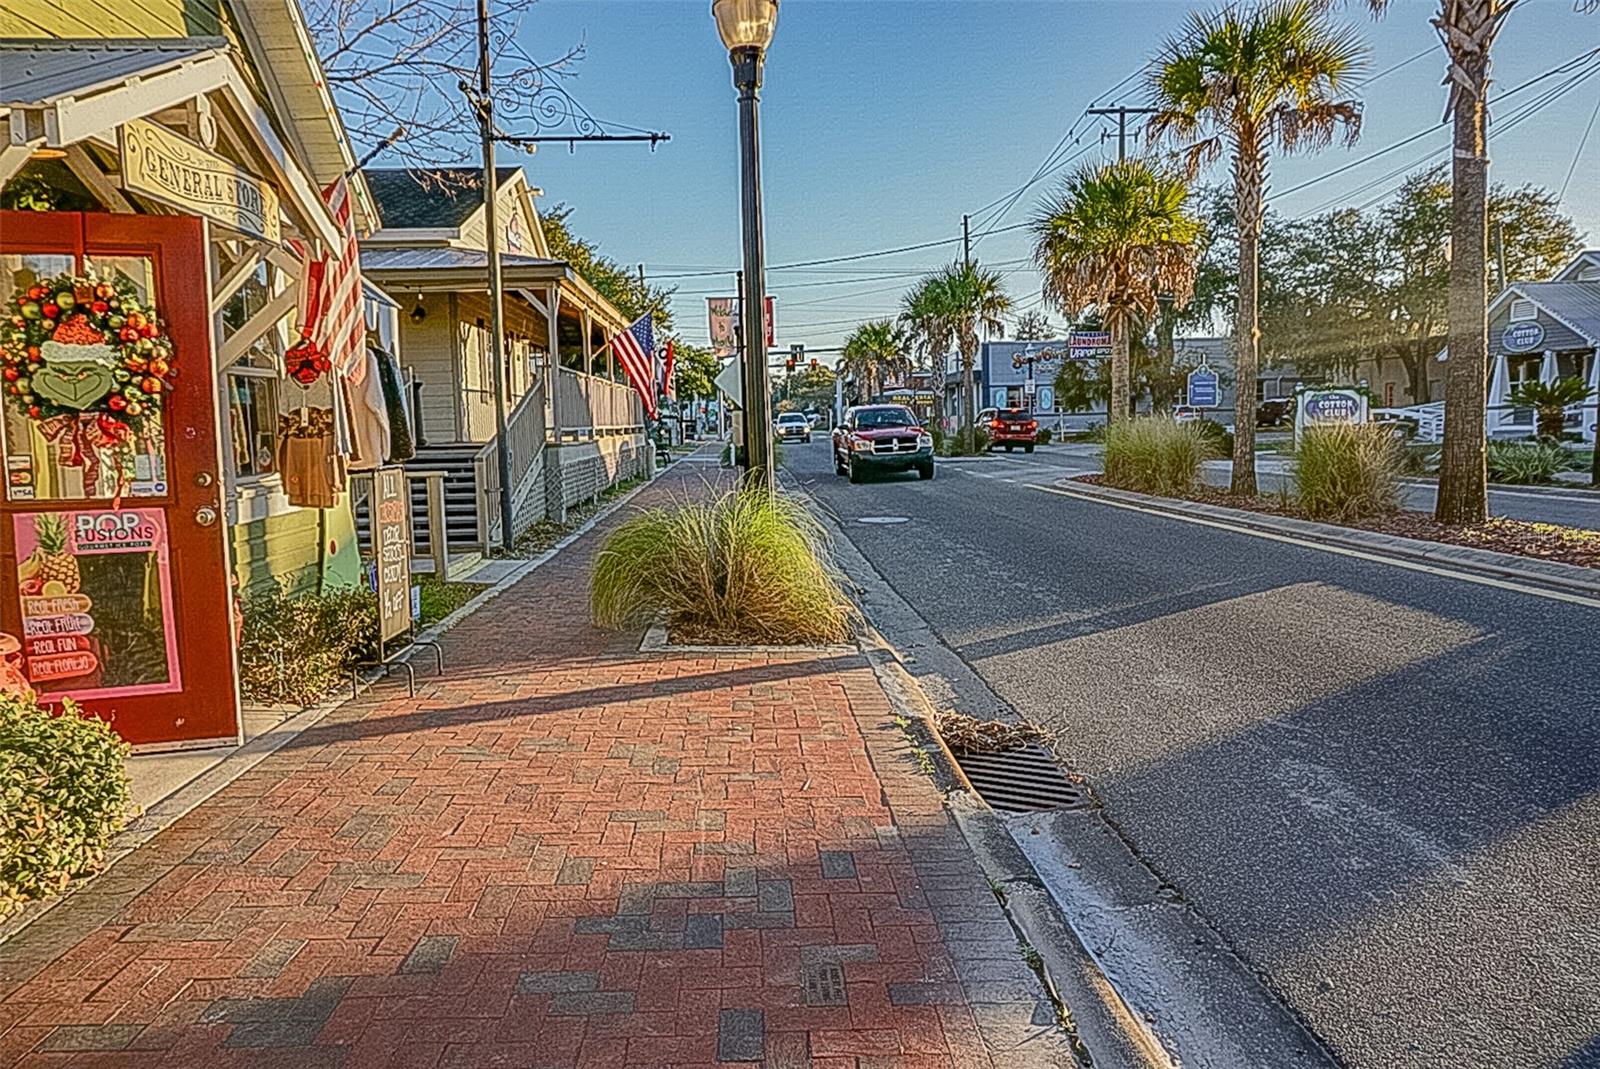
(1275, 412)
(791, 425)
(881, 438)
(1012, 427)
(1188, 414)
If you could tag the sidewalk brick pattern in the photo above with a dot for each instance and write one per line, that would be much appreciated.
(562, 854)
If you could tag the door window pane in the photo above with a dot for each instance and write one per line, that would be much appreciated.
(95, 592)
(74, 459)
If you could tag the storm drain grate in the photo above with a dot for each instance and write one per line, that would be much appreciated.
(1020, 781)
(825, 985)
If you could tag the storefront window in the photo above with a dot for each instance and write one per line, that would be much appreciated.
(253, 422)
(74, 459)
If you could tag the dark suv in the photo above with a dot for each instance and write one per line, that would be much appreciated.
(881, 438)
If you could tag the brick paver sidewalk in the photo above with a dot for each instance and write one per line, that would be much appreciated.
(565, 853)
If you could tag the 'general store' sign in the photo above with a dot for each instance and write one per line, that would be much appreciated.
(157, 163)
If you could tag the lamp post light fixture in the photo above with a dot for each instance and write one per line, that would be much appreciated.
(746, 28)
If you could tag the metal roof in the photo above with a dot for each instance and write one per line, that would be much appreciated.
(35, 72)
(444, 259)
(1577, 304)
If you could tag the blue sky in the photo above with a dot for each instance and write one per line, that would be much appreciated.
(884, 121)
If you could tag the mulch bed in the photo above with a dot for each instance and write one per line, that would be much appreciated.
(1523, 538)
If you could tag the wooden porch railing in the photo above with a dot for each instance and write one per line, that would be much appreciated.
(590, 407)
(525, 434)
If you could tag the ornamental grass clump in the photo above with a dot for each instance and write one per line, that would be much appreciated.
(1348, 471)
(1156, 455)
(63, 795)
(742, 568)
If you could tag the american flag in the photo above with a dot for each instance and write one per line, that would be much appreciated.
(636, 348)
(331, 313)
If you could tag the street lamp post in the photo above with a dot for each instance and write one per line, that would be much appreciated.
(746, 28)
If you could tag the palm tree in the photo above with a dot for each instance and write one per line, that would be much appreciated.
(1550, 401)
(1117, 237)
(953, 306)
(874, 351)
(1244, 82)
(1468, 29)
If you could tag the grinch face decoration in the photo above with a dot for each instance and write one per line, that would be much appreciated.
(76, 347)
(79, 367)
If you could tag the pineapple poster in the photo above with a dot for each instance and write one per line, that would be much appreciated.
(96, 598)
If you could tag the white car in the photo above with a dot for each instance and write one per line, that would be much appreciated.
(791, 425)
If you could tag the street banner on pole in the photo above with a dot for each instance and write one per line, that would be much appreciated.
(731, 384)
(722, 323)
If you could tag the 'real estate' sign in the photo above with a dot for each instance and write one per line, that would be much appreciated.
(158, 163)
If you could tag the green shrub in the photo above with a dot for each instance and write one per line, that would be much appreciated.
(742, 568)
(1527, 463)
(63, 795)
(1155, 455)
(1345, 471)
(966, 442)
(1420, 458)
(1044, 436)
(296, 649)
(1219, 439)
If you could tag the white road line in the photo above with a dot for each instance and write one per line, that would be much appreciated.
(1377, 558)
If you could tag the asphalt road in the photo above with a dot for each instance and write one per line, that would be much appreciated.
(1381, 786)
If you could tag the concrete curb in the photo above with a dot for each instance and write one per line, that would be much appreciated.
(1104, 1029)
(176, 805)
(1549, 575)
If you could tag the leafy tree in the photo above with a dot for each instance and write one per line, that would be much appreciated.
(1083, 384)
(951, 307)
(1244, 81)
(1033, 325)
(1413, 291)
(615, 282)
(1117, 237)
(694, 371)
(811, 388)
(873, 353)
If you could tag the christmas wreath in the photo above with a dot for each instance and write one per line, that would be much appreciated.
(79, 351)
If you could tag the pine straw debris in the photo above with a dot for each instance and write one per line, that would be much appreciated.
(971, 735)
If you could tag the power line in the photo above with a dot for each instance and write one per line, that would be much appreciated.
(1576, 156)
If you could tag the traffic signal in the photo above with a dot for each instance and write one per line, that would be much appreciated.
(789, 364)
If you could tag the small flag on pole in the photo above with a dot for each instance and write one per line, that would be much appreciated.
(635, 348)
(666, 372)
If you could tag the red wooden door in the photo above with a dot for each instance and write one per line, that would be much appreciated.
(116, 583)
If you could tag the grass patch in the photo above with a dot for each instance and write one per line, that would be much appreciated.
(1156, 455)
(1346, 471)
(740, 568)
(440, 598)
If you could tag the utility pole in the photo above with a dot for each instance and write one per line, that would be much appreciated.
(497, 339)
(1122, 125)
(966, 240)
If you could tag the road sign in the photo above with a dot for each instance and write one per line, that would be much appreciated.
(1203, 388)
(797, 352)
(731, 383)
